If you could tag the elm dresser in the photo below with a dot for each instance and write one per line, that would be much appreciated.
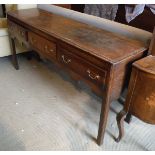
(100, 58)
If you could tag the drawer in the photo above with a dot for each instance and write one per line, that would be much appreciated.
(12, 28)
(35, 40)
(17, 31)
(49, 48)
(88, 71)
(84, 55)
(46, 47)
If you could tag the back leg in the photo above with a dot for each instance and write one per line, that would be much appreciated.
(120, 122)
(128, 118)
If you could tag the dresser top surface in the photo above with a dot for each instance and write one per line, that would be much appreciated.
(146, 64)
(98, 42)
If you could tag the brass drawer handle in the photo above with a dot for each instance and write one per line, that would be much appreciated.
(93, 76)
(19, 31)
(22, 44)
(46, 47)
(65, 61)
(33, 40)
(22, 33)
(11, 27)
(51, 50)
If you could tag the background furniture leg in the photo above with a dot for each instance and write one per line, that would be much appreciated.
(120, 122)
(37, 56)
(4, 10)
(29, 55)
(14, 56)
(128, 118)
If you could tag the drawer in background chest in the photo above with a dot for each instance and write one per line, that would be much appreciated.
(80, 66)
(43, 46)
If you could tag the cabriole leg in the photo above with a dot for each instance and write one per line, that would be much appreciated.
(120, 122)
(128, 118)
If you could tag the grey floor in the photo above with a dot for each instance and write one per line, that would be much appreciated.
(41, 108)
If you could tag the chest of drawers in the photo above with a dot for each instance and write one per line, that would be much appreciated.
(140, 100)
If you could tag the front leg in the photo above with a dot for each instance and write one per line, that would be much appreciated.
(120, 122)
(103, 120)
(105, 107)
(104, 112)
(14, 56)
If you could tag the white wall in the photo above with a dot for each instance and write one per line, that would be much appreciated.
(26, 6)
(5, 48)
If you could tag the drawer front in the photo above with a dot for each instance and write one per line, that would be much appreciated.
(34, 40)
(92, 59)
(12, 28)
(46, 47)
(49, 48)
(82, 67)
(17, 31)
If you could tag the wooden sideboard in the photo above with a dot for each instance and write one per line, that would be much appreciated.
(98, 57)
